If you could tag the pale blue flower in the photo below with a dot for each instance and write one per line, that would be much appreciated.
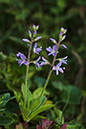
(58, 69)
(23, 59)
(44, 61)
(37, 62)
(52, 51)
(36, 50)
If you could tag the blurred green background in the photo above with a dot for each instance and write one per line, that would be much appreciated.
(16, 17)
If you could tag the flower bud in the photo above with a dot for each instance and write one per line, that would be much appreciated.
(30, 34)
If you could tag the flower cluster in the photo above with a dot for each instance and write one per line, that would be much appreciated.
(22, 59)
(52, 51)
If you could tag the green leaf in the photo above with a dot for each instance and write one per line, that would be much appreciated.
(17, 40)
(4, 98)
(29, 95)
(73, 93)
(39, 110)
(18, 96)
(7, 112)
(58, 85)
(37, 92)
(38, 103)
(57, 115)
(5, 120)
(40, 81)
(76, 126)
(38, 118)
(3, 57)
(25, 112)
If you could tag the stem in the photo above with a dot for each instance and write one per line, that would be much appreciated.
(66, 102)
(27, 68)
(45, 84)
(49, 75)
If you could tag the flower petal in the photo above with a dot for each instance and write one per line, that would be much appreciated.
(35, 45)
(22, 57)
(61, 70)
(25, 40)
(54, 68)
(26, 62)
(49, 49)
(43, 59)
(55, 47)
(20, 62)
(54, 53)
(57, 72)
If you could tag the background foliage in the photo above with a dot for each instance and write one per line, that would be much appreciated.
(17, 16)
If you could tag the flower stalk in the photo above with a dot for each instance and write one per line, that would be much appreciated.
(27, 69)
(49, 75)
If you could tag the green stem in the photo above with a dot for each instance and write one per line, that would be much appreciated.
(66, 102)
(45, 84)
(27, 68)
(49, 75)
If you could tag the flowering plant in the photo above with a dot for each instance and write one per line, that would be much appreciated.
(30, 106)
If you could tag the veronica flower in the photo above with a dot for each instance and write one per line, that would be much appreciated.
(23, 59)
(44, 61)
(37, 62)
(52, 51)
(57, 68)
(35, 49)
(63, 60)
